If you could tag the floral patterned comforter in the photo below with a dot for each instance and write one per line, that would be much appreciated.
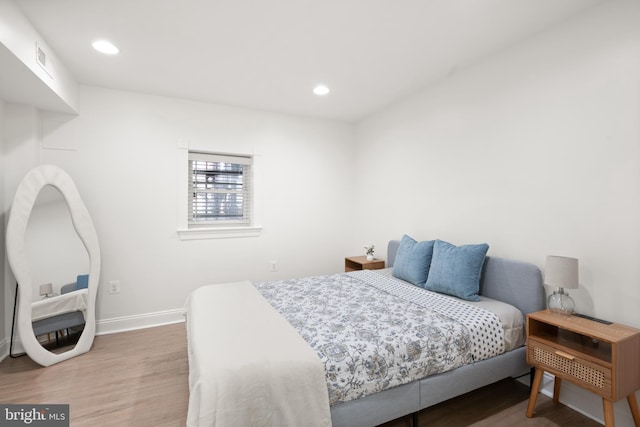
(373, 332)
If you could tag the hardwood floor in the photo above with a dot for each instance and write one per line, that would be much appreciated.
(140, 378)
(136, 378)
(502, 404)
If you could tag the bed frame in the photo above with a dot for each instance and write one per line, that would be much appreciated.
(514, 282)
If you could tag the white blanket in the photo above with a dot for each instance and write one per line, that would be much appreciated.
(61, 304)
(247, 365)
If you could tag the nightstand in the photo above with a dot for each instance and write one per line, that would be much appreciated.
(354, 263)
(595, 356)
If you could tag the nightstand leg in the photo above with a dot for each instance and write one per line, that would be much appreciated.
(557, 382)
(609, 420)
(633, 405)
(535, 388)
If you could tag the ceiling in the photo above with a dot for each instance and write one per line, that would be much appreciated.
(269, 54)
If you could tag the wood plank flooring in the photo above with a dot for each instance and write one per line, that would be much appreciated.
(502, 404)
(136, 378)
(140, 378)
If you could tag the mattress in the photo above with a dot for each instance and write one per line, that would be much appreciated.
(374, 332)
(512, 319)
(247, 365)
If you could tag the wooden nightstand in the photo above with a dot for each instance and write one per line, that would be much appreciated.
(354, 263)
(598, 357)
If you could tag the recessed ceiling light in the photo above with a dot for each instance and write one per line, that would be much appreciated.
(105, 46)
(321, 90)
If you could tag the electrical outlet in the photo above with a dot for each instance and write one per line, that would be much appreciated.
(274, 265)
(114, 287)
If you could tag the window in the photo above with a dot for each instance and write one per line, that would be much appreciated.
(220, 190)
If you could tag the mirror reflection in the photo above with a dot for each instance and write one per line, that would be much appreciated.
(59, 265)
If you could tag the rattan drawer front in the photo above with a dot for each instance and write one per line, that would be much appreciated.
(593, 376)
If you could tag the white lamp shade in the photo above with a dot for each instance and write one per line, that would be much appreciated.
(46, 289)
(561, 272)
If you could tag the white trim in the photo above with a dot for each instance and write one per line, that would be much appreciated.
(241, 159)
(139, 321)
(4, 349)
(218, 233)
(18, 349)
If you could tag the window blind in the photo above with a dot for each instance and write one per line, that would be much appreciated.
(219, 189)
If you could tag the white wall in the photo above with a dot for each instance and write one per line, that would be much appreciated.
(122, 149)
(20, 152)
(535, 151)
(53, 87)
(24, 81)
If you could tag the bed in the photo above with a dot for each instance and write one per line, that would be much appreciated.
(62, 312)
(266, 385)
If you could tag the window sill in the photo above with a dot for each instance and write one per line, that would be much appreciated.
(218, 232)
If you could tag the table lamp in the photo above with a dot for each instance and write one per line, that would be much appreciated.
(561, 272)
(46, 290)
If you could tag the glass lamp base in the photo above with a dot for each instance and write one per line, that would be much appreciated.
(561, 302)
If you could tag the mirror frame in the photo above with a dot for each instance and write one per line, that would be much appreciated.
(23, 202)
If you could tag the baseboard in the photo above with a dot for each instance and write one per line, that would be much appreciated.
(112, 326)
(4, 349)
(587, 403)
(139, 321)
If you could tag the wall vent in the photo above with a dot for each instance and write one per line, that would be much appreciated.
(41, 59)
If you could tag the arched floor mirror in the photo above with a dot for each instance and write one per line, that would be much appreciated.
(77, 299)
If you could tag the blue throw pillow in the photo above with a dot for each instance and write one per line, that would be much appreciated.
(82, 281)
(456, 270)
(413, 260)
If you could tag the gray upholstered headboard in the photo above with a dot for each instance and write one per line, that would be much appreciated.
(514, 282)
